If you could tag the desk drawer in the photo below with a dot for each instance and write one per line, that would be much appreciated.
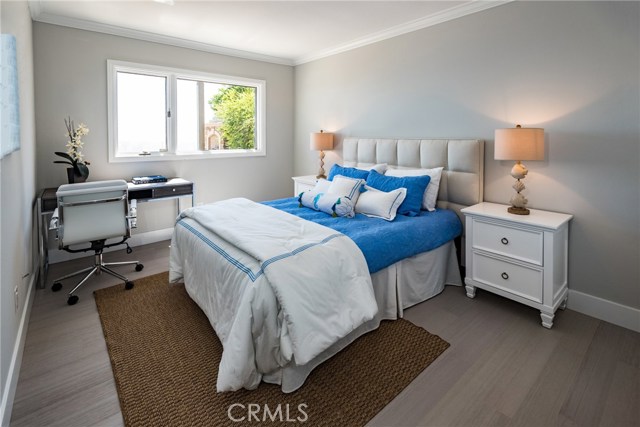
(518, 243)
(173, 190)
(513, 278)
(48, 200)
(49, 205)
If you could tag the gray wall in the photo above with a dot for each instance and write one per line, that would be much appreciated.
(570, 67)
(71, 80)
(17, 190)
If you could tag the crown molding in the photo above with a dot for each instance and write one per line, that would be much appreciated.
(81, 24)
(454, 12)
(473, 6)
(35, 8)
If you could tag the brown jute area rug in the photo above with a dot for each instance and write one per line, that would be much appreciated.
(165, 357)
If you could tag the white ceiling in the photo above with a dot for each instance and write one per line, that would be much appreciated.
(286, 32)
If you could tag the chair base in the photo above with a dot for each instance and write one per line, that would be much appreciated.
(98, 267)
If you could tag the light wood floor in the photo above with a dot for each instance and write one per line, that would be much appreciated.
(502, 368)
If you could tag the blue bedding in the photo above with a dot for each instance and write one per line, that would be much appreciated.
(384, 243)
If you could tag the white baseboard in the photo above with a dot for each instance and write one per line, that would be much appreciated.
(612, 312)
(151, 237)
(57, 255)
(16, 356)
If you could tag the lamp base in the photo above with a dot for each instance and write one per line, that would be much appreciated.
(518, 211)
(321, 170)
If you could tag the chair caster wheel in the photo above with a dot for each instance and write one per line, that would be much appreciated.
(128, 285)
(72, 300)
(56, 287)
(139, 267)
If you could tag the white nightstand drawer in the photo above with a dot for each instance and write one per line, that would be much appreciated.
(513, 278)
(518, 243)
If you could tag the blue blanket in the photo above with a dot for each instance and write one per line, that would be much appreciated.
(382, 242)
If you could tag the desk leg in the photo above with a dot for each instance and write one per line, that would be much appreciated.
(193, 203)
(43, 253)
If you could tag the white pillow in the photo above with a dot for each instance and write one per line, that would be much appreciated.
(346, 187)
(431, 193)
(380, 167)
(322, 185)
(380, 204)
(332, 204)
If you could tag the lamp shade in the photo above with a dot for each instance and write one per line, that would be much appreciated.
(321, 141)
(519, 144)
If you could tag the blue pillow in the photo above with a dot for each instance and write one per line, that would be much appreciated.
(348, 172)
(415, 185)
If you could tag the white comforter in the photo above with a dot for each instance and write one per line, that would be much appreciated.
(282, 289)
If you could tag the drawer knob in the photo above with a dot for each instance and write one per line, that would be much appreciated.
(504, 275)
(504, 241)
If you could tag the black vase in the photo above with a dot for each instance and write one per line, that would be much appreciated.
(75, 178)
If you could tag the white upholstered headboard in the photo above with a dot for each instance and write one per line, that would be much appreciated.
(463, 161)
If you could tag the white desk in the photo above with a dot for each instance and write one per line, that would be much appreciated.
(46, 203)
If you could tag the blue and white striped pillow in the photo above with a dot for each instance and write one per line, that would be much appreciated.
(346, 187)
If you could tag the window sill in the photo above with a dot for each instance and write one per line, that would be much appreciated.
(164, 157)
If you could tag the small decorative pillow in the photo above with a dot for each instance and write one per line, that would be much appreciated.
(346, 187)
(431, 195)
(380, 204)
(331, 204)
(322, 185)
(415, 185)
(349, 172)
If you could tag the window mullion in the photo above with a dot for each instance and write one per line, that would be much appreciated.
(172, 113)
(201, 133)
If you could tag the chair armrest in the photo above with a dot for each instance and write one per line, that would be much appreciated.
(53, 224)
(133, 214)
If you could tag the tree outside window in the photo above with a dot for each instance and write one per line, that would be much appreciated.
(235, 106)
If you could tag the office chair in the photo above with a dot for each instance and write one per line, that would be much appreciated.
(91, 213)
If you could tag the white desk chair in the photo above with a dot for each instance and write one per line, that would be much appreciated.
(93, 212)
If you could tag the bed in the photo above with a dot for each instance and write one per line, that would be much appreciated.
(250, 311)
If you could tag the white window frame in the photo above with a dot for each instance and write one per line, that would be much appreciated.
(172, 75)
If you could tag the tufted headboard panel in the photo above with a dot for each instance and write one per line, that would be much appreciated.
(463, 161)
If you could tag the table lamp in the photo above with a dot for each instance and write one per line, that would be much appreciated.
(519, 144)
(321, 141)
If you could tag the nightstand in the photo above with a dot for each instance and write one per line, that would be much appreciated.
(303, 183)
(520, 257)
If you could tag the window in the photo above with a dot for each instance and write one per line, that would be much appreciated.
(160, 113)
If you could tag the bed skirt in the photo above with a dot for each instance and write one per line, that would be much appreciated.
(397, 287)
